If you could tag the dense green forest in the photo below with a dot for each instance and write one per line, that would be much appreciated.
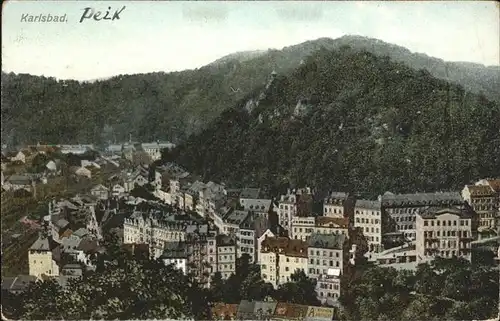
(350, 120)
(170, 106)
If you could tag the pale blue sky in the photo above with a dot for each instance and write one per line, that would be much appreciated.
(171, 36)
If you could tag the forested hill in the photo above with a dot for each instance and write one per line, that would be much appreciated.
(171, 106)
(350, 120)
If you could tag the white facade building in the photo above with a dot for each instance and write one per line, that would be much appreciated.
(368, 217)
(443, 232)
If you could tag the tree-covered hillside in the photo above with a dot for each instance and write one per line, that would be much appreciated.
(350, 120)
(171, 106)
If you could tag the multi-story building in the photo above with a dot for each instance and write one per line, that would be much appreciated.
(154, 149)
(400, 210)
(368, 217)
(209, 198)
(326, 251)
(280, 257)
(291, 260)
(197, 242)
(251, 200)
(192, 195)
(287, 206)
(147, 229)
(226, 255)
(303, 227)
(228, 220)
(495, 185)
(328, 287)
(332, 225)
(40, 258)
(483, 199)
(443, 232)
(246, 236)
(176, 253)
(334, 204)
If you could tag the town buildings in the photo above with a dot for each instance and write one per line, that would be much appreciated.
(484, 200)
(335, 204)
(225, 255)
(303, 227)
(280, 257)
(288, 206)
(368, 217)
(326, 251)
(443, 232)
(401, 209)
(41, 258)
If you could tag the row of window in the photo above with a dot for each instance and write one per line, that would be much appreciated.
(329, 294)
(446, 233)
(372, 221)
(311, 252)
(406, 227)
(325, 262)
(373, 229)
(327, 286)
(405, 218)
(368, 213)
(333, 210)
(445, 223)
(445, 253)
(406, 210)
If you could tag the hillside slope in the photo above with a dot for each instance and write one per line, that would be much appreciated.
(353, 121)
(173, 105)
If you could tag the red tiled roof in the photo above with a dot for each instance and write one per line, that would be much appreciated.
(290, 310)
(495, 184)
(222, 309)
(481, 190)
(285, 246)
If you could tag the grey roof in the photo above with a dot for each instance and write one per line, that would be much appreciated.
(62, 223)
(70, 244)
(340, 195)
(249, 222)
(433, 212)
(196, 187)
(327, 241)
(88, 245)
(17, 283)
(368, 204)
(114, 148)
(100, 187)
(422, 199)
(81, 232)
(267, 308)
(245, 309)
(250, 193)
(236, 217)
(72, 266)
(157, 145)
(41, 244)
(19, 180)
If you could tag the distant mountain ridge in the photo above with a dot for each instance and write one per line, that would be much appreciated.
(171, 106)
(353, 121)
